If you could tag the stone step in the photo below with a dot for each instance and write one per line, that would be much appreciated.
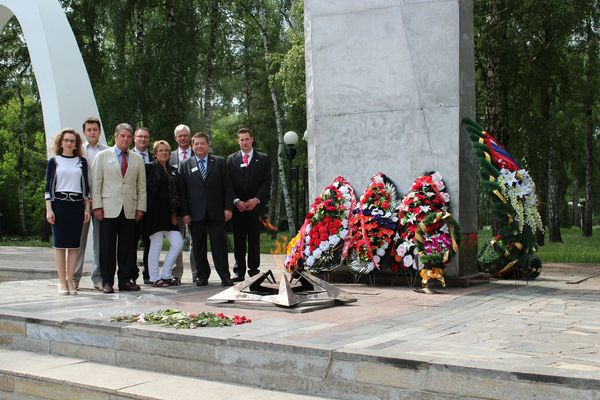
(26, 375)
(226, 355)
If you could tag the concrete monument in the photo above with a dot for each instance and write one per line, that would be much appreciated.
(65, 90)
(388, 82)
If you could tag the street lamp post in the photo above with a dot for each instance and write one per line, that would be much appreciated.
(290, 138)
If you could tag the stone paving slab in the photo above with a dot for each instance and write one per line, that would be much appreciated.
(547, 329)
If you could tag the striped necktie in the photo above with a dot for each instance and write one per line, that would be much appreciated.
(202, 169)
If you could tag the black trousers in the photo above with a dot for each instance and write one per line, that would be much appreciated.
(117, 238)
(135, 271)
(215, 230)
(246, 239)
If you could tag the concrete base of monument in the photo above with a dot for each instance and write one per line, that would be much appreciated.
(402, 278)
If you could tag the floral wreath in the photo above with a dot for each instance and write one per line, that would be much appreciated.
(428, 235)
(322, 242)
(375, 221)
(513, 208)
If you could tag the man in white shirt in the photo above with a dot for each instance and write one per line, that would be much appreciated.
(183, 137)
(92, 130)
(141, 140)
(250, 172)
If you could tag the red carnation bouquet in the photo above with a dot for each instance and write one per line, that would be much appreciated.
(322, 242)
(374, 220)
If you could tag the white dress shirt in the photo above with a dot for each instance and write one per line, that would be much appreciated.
(143, 154)
(188, 153)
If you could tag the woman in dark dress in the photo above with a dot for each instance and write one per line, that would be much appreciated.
(165, 201)
(67, 204)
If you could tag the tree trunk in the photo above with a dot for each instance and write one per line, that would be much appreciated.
(589, 162)
(275, 202)
(590, 128)
(496, 93)
(575, 201)
(247, 80)
(139, 41)
(281, 148)
(210, 65)
(553, 202)
(21, 160)
(547, 97)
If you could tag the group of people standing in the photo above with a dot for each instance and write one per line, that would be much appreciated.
(153, 194)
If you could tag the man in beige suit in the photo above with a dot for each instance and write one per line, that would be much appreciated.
(119, 201)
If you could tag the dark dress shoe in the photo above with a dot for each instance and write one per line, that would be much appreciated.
(227, 282)
(253, 272)
(202, 282)
(195, 278)
(107, 289)
(129, 287)
(238, 279)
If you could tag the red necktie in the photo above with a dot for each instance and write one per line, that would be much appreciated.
(245, 159)
(123, 163)
(184, 153)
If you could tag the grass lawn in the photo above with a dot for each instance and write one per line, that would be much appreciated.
(574, 249)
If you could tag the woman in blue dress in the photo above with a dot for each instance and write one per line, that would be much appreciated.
(68, 204)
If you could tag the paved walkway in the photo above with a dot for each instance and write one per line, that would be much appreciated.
(549, 326)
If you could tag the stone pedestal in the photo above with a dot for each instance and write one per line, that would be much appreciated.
(388, 83)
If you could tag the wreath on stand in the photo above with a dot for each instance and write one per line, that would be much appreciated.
(513, 208)
(322, 242)
(427, 236)
(375, 221)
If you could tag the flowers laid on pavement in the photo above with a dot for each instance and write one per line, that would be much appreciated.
(321, 244)
(375, 221)
(183, 320)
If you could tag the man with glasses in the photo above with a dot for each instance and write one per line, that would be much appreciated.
(141, 140)
(182, 153)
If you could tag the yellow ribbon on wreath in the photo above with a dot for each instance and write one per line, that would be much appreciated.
(439, 216)
(506, 268)
(433, 273)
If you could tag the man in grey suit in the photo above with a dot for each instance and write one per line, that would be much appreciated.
(91, 130)
(210, 200)
(182, 153)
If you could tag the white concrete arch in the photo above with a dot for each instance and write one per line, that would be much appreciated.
(63, 82)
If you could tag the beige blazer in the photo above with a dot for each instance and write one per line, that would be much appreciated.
(112, 191)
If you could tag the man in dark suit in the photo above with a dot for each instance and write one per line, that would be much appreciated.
(182, 153)
(209, 200)
(141, 140)
(250, 172)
